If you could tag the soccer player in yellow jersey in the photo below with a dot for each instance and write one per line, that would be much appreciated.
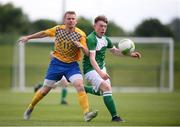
(69, 41)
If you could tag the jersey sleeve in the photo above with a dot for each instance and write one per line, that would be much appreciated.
(50, 32)
(83, 41)
(110, 45)
(91, 43)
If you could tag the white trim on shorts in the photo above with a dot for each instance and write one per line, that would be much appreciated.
(75, 77)
(49, 83)
(95, 79)
(54, 84)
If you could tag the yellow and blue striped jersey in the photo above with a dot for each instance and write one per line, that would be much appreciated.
(64, 49)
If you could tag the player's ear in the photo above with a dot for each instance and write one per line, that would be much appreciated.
(76, 20)
(64, 19)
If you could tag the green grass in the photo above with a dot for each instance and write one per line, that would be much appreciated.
(136, 108)
(6, 53)
(160, 109)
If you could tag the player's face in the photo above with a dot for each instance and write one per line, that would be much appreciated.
(70, 21)
(100, 28)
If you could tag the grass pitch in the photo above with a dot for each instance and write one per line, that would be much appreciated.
(138, 109)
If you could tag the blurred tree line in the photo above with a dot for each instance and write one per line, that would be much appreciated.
(14, 21)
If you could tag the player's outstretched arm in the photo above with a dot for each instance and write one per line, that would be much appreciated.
(136, 54)
(40, 34)
(116, 51)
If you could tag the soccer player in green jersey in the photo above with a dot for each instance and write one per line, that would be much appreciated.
(94, 65)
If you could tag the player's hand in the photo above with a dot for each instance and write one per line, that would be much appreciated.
(51, 55)
(78, 44)
(136, 55)
(104, 75)
(23, 39)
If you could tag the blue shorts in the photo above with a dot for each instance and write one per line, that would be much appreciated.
(58, 68)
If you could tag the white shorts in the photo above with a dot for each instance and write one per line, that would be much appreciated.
(95, 79)
(54, 84)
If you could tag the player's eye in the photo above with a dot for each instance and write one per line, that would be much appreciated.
(104, 26)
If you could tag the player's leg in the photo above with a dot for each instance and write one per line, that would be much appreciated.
(37, 87)
(64, 83)
(75, 77)
(109, 101)
(99, 84)
(37, 97)
(89, 89)
(51, 77)
(63, 95)
(82, 98)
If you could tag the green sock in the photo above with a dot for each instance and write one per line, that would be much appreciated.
(89, 89)
(109, 102)
(63, 94)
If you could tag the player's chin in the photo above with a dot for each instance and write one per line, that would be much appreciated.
(72, 25)
(102, 33)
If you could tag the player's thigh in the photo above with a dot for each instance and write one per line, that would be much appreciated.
(96, 81)
(64, 81)
(49, 83)
(74, 74)
(78, 84)
(75, 77)
(54, 73)
(105, 86)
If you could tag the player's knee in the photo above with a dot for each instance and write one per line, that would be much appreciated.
(45, 90)
(37, 87)
(64, 83)
(105, 87)
(79, 86)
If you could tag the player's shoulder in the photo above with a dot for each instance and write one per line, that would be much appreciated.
(92, 37)
(107, 38)
(56, 27)
(60, 26)
(82, 33)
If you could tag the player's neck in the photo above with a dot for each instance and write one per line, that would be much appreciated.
(70, 29)
(99, 36)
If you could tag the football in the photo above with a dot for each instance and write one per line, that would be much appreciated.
(126, 46)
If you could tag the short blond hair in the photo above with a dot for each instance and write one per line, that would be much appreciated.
(69, 12)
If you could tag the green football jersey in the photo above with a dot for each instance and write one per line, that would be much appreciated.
(99, 45)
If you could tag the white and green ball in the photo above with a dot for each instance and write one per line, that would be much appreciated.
(126, 46)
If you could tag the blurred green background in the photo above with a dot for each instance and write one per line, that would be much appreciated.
(15, 23)
(123, 70)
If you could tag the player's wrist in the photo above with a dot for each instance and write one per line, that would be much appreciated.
(131, 54)
(27, 38)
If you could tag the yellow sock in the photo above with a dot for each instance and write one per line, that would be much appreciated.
(37, 97)
(83, 100)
